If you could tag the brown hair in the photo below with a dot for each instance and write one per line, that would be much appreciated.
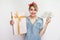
(34, 5)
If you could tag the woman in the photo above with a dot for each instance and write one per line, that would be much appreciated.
(35, 28)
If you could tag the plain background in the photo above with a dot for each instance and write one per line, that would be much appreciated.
(6, 6)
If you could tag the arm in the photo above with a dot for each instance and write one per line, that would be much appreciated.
(45, 26)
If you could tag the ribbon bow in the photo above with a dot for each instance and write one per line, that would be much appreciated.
(32, 3)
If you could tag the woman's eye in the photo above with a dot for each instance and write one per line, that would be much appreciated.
(31, 9)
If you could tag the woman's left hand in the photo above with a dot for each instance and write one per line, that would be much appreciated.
(48, 20)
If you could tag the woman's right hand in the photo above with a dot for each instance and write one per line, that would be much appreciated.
(11, 22)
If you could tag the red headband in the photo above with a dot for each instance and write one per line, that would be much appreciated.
(32, 3)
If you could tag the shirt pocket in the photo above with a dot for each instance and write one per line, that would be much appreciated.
(39, 26)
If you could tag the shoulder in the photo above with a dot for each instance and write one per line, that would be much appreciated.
(40, 19)
(26, 17)
(27, 20)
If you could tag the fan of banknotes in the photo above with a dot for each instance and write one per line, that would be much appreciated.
(47, 14)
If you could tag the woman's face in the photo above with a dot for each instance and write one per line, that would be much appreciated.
(32, 11)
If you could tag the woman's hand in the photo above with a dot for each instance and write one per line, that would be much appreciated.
(48, 20)
(11, 22)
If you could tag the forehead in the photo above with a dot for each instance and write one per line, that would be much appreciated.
(32, 7)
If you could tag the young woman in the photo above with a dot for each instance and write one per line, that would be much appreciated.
(35, 28)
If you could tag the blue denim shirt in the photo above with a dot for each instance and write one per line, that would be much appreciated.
(33, 30)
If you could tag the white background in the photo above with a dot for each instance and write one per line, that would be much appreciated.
(6, 6)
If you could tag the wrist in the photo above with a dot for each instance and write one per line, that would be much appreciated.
(46, 24)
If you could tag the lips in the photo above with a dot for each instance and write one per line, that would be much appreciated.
(33, 13)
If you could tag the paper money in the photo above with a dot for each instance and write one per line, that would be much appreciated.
(47, 14)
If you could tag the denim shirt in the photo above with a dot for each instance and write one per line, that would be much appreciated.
(33, 30)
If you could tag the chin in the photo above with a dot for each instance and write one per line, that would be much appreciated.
(33, 15)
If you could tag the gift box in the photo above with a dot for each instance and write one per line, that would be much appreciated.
(19, 23)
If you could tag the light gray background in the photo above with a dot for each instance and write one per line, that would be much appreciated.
(6, 6)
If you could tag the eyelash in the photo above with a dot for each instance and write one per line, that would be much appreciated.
(32, 9)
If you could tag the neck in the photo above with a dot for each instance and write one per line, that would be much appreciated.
(32, 16)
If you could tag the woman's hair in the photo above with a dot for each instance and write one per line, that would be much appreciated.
(33, 4)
